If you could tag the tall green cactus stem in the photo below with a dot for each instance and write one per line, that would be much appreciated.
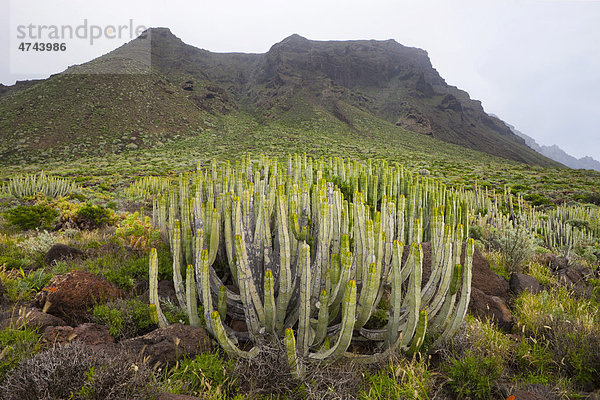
(191, 297)
(285, 274)
(304, 329)
(419, 337)
(253, 308)
(156, 313)
(368, 294)
(461, 309)
(222, 303)
(177, 279)
(207, 301)
(445, 313)
(345, 334)
(227, 344)
(413, 297)
(296, 370)
(322, 319)
(396, 294)
(269, 291)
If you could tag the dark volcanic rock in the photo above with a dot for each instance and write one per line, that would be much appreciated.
(493, 308)
(167, 345)
(71, 295)
(61, 252)
(520, 282)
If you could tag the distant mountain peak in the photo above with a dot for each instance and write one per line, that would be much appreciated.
(554, 152)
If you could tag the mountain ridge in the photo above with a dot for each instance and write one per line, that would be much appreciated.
(556, 153)
(177, 89)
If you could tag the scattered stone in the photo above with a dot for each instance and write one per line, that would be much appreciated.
(486, 307)
(575, 275)
(167, 345)
(105, 249)
(61, 252)
(521, 282)
(554, 262)
(90, 334)
(32, 317)
(70, 295)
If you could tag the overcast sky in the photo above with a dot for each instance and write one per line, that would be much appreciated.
(536, 64)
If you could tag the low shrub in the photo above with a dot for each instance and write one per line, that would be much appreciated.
(16, 345)
(75, 371)
(570, 326)
(38, 216)
(474, 377)
(92, 216)
(207, 375)
(404, 379)
(124, 318)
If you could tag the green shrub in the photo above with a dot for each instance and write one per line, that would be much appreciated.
(206, 375)
(474, 377)
(535, 361)
(569, 325)
(92, 216)
(516, 245)
(400, 380)
(31, 217)
(125, 268)
(16, 345)
(26, 285)
(124, 318)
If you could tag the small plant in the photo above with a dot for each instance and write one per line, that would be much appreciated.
(38, 216)
(138, 234)
(542, 274)
(474, 377)
(124, 318)
(17, 345)
(516, 245)
(23, 286)
(399, 380)
(206, 375)
(571, 328)
(92, 216)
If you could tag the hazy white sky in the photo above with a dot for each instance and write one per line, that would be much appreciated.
(536, 64)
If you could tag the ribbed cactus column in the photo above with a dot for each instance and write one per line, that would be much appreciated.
(306, 252)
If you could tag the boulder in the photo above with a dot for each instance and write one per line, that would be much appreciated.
(520, 282)
(486, 307)
(61, 252)
(554, 262)
(32, 317)
(70, 295)
(167, 345)
(485, 279)
(89, 333)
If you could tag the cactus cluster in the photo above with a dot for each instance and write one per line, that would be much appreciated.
(32, 184)
(305, 251)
